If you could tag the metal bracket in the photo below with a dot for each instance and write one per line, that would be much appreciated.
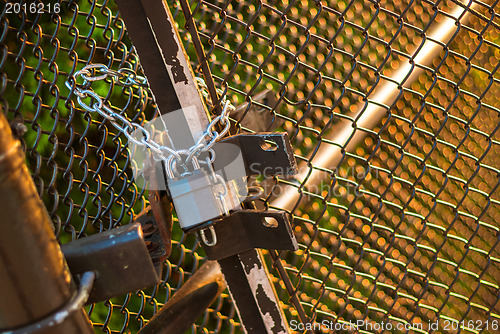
(153, 235)
(119, 257)
(254, 116)
(263, 153)
(248, 229)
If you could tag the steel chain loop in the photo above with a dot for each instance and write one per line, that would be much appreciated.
(128, 78)
(173, 159)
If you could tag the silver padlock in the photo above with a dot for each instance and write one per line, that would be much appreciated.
(195, 197)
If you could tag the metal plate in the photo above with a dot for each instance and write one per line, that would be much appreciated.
(246, 229)
(264, 153)
(119, 257)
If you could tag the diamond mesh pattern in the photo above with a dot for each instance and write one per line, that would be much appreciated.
(404, 225)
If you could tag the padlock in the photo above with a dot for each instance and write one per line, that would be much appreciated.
(195, 196)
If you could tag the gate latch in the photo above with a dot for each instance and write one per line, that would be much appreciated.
(248, 229)
(207, 193)
(229, 230)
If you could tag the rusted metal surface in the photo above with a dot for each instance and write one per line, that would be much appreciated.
(200, 53)
(158, 242)
(259, 308)
(404, 227)
(169, 74)
(34, 279)
(151, 29)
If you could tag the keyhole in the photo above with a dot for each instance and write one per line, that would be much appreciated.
(268, 145)
(270, 222)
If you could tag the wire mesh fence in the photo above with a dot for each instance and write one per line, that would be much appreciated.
(400, 226)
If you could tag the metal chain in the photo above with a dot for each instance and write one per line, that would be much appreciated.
(128, 78)
(172, 158)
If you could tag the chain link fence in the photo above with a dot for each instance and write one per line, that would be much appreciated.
(400, 226)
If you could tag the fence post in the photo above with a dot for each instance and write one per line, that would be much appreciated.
(152, 30)
(34, 279)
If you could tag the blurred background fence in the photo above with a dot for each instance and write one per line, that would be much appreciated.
(401, 226)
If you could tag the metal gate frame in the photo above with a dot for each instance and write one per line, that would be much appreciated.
(350, 132)
(152, 30)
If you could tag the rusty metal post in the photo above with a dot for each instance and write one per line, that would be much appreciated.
(34, 279)
(152, 30)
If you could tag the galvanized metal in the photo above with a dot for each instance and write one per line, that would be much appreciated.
(347, 134)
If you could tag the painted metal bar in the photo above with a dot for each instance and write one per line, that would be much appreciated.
(152, 30)
(34, 279)
(164, 61)
(202, 59)
(348, 134)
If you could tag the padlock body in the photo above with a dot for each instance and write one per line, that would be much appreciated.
(194, 199)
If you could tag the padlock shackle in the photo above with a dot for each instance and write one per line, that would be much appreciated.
(171, 164)
(168, 167)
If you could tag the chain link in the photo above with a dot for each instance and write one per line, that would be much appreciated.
(128, 78)
(172, 158)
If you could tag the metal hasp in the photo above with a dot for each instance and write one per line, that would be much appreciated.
(189, 302)
(256, 117)
(119, 257)
(241, 232)
(263, 153)
(248, 229)
(34, 279)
